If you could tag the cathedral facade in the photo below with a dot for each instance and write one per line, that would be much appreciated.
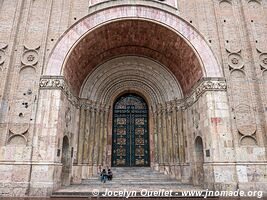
(179, 86)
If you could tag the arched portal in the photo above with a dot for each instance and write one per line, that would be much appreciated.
(130, 50)
(130, 137)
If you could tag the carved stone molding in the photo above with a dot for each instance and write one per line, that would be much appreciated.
(206, 84)
(58, 83)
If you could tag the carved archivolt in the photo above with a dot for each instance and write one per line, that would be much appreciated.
(128, 72)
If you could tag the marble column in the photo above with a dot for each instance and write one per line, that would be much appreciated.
(169, 133)
(86, 137)
(105, 135)
(164, 134)
(160, 135)
(180, 134)
(155, 120)
(101, 135)
(93, 122)
(81, 135)
(175, 134)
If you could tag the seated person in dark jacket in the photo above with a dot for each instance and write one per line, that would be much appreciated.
(103, 176)
(110, 174)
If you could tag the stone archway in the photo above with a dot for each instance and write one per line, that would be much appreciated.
(127, 74)
(164, 59)
(170, 26)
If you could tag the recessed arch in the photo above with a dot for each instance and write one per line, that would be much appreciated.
(200, 60)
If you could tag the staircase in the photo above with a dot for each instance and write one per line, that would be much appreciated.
(127, 178)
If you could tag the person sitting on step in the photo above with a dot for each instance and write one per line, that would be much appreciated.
(110, 174)
(103, 176)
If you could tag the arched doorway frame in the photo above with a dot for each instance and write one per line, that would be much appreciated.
(146, 136)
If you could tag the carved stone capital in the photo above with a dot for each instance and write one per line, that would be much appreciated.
(206, 84)
(58, 83)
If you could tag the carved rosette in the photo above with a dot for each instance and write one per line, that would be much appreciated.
(30, 56)
(235, 61)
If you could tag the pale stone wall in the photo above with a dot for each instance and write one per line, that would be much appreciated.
(231, 124)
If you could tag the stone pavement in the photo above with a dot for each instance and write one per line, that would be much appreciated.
(126, 179)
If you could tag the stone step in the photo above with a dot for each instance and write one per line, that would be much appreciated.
(130, 179)
(131, 183)
(86, 181)
(127, 177)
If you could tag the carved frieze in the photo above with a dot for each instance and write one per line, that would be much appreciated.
(58, 83)
(210, 85)
(206, 84)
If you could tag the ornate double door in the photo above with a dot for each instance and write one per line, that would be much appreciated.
(130, 138)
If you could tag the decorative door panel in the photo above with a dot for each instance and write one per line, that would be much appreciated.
(130, 141)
